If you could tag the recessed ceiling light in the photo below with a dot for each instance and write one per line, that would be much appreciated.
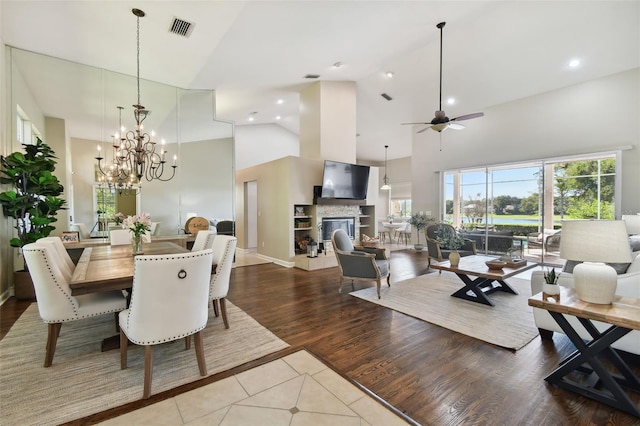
(280, 101)
(278, 117)
(389, 74)
(251, 118)
(574, 63)
(451, 101)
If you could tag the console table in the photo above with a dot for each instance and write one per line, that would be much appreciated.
(623, 315)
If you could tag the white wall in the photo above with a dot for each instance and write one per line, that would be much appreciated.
(261, 143)
(596, 116)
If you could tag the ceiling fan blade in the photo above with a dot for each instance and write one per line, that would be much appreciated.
(468, 116)
(423, 130)
(414, 123)
(456, 126)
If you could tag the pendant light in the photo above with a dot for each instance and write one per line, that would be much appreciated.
(385, 181)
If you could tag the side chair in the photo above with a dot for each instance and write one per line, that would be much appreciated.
(359, 263)
(440, 252)
(204, 240)
(56, 305)
(169, 301)
(224, 248)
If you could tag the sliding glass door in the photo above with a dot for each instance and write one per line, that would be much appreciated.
(518, 208)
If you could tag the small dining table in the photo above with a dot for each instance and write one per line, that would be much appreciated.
(106, 268)
(392, 227)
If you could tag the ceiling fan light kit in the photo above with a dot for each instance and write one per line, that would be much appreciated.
(441, 122)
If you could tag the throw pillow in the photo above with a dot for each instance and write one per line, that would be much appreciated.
(621, 268)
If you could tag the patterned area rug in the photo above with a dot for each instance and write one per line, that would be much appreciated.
(508, 324)
(84, 381)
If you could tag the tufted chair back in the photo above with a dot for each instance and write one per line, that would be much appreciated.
(169, 297)
(204, 240)
(55, 302)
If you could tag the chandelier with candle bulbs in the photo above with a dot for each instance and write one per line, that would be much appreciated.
(135, 154)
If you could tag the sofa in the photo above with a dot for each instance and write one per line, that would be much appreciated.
(628, 285)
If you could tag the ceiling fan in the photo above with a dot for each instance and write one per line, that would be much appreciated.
(441, 122)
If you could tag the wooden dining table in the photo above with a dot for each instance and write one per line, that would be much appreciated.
(106, 268)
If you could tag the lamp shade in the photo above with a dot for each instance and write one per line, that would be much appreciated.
(595, 241)
(633, 223)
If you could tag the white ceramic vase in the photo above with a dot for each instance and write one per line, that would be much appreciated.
(551, 289)
(454, 258)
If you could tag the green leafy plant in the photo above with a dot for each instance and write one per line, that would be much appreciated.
(450, 238)
(33, 200)
(420, 221)
(550, 276)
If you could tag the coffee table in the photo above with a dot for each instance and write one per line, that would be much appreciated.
(486, 280)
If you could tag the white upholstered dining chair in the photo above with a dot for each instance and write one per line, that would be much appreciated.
(82, 229)
(55, 302)
(204, 240)
(62, 252)
(169, 301)
(224, 248)
(58, 258)
(119, 237)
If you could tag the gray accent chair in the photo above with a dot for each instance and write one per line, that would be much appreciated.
(439, 252)
(359, 263)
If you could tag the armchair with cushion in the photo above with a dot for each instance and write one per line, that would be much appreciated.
(438, 251)
(359, 263)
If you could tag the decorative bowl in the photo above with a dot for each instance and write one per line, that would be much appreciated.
(495, 264)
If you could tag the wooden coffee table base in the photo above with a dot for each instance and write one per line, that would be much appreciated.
(475, 290)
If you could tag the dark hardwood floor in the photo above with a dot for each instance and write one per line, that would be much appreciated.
(431, 374)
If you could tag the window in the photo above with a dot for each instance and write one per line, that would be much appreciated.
(531, 198)
(26, 132)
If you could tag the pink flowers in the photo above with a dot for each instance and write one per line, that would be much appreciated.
(138, 224)
(118, 218)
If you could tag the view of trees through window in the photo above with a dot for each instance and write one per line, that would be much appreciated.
(531, 198)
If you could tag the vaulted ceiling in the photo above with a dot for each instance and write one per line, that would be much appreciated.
(254, 53)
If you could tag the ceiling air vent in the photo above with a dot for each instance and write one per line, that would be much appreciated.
(180, 27)
(387, 97)
(312, 76)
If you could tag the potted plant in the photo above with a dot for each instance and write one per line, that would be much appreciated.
(453, 240)
(32, 201)
(420, 221)
(550, 285)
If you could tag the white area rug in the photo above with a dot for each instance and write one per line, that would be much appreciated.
(508, 324)
(84, 381)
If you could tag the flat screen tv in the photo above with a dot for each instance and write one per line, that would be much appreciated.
(344, 180)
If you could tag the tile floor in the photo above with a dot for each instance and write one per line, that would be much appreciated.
(294, 390)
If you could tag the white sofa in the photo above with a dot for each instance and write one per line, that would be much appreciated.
(628, 285)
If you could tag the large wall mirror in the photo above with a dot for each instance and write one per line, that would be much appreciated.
(75, 109)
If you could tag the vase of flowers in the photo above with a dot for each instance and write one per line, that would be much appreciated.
(138, 225)
(119, 218)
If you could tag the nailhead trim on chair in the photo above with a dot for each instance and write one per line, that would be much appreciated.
(70, 298)
(168, 339)
(133, 287)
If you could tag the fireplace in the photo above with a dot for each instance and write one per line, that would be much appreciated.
(329, 224)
